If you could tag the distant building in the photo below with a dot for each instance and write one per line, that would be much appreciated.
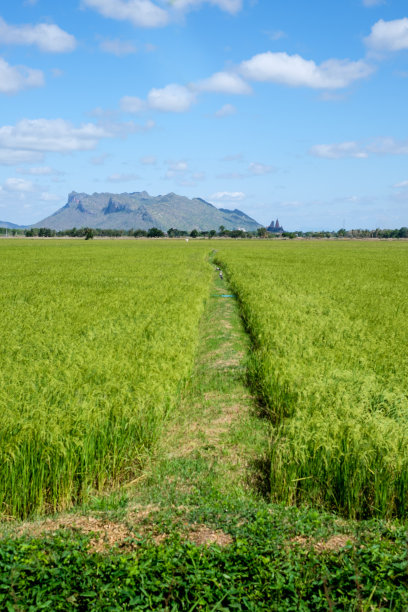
(275, 227)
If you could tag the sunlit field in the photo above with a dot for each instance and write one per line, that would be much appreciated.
(96, 341)
(329, 326)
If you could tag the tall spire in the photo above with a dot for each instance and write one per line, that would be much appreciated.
(277, 224)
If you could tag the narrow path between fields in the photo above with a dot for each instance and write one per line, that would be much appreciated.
(218, 423)
(206, 456)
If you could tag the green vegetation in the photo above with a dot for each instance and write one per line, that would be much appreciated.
(97, 338)
(102, 403)
(328, 323)
(269, 566)
(196, 535)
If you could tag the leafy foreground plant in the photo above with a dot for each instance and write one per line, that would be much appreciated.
(277, 561)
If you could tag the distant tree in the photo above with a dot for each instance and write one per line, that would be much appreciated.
(194, 233)
(237, 233)
(262, 232)
(139, 233)
(212, 233)
(155, 232)
(341, 232)
(88, 233)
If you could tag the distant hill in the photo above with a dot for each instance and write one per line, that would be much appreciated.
(139, 210)
(11, 225)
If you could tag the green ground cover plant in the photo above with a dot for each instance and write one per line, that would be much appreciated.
(330, 365)
(96, 340)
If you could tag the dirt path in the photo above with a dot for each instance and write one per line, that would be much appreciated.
(218, 421)
(207, 453)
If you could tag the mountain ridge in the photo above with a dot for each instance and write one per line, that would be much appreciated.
(139, 210)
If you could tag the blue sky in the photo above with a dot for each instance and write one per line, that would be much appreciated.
(288, 109)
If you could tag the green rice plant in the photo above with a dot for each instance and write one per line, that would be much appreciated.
(330, 365)
(96, 341)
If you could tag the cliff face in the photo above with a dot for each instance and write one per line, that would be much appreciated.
(139, 210)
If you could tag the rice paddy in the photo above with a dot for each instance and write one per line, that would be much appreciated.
(330, 365)
(96, 341)
(99, 338)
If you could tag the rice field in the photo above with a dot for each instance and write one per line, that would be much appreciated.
(330, 365)
(96, 341)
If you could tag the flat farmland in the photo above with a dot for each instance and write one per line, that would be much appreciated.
(328, 322)
(96, 341)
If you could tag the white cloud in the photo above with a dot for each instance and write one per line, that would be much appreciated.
(118, 47)
(141, 13)
(226, 111)
(172, 98)
(295, 71)
(58, 135)
(178, 166)
(380, 146)
(338, 151)
(148, 14)
(18, 184)
(259, 169)
(388, 35)
(15, 78)
(122, 178)
(148, 160)
(47, 37)
(228, 196)
(223, 82)
(131, 104)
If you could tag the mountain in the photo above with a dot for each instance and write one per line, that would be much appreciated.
(139, 210)
(11, 225)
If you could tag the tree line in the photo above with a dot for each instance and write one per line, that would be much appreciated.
(155, 232)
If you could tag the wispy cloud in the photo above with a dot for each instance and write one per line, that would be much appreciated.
(228, 196)
(59, 136)
(338, 150)
(122, 178)
(47, 37)
(148, 14)
(223, 82)
(388, 35)
(16, 78)
(370, 3)
(172, 98)
(226, 111)
(117, 47)
(379, 146)
(295, 71)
